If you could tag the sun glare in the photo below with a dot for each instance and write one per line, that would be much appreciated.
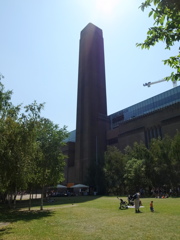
(106, 7)
(103, 11)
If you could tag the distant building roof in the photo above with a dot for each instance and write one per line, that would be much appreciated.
(72, 136)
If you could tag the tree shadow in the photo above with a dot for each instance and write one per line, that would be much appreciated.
(10, 216)
(21, 213)
(35, 203)
(69, 200)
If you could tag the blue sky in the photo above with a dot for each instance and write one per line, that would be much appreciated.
(39, 48)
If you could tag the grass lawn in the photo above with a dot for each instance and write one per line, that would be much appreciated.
(91, 218)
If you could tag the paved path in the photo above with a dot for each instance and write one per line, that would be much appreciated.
(3, 224)
(26, 196)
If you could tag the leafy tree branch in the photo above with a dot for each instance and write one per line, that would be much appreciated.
(166, 15)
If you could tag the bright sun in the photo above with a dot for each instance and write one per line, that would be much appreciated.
(106, 7)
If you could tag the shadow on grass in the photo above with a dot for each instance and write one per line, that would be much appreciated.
(5, 231)
(10, 216)
(70, 200)
(21, 213)
(53, 201)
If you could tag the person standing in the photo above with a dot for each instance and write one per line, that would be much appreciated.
(136, 202)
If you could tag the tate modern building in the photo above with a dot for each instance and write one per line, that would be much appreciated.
(95, 130)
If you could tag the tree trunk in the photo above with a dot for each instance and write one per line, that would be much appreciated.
(9, 200)
(30, 200)
(42, 196)
(14, 200)
(21, 196)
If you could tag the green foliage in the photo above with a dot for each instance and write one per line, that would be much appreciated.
(49, 159)
(166, 15)
(114, 170)
(140, 167)
(30, 147)
(134, 175)
(137, 170)
(161, 151)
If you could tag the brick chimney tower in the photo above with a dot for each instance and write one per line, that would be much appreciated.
(91, 121)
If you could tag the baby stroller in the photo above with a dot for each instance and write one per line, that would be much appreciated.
(123, 204)
(130, 200)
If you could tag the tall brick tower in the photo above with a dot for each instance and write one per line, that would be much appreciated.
(91, 122)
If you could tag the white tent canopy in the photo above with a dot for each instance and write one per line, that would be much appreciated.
(79, 186)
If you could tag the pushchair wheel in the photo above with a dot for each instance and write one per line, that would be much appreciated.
(123, 206)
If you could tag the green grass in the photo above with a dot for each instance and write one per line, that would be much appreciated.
(92, 218)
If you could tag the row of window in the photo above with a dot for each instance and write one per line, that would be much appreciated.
(150, 133)
(160, 101)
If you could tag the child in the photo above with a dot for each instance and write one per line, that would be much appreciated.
(151, 206)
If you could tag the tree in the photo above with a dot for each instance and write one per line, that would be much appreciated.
(134, 175)
(11, 152)
(49, 159)
(114, 170)
(157, 167)
(14, 158)
(162, 168)
(166, 14)
(30, 119)
(166, 162)
(17, 144)
(30, 148)
(138, 170)
(175, 160)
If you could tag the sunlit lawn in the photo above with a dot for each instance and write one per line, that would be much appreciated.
(92, 218)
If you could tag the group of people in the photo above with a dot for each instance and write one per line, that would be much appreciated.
(162, 192)
(138, 203)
